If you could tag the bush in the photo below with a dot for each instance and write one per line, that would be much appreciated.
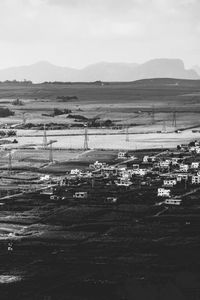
(17, 102)
(5, 112)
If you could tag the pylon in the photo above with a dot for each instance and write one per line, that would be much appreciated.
(85, 146)
(174, 119)
(51, 152)
(24, 118)
(9, 162)
(153, 115)
(45, 138)
(127, 134)
(164, 127)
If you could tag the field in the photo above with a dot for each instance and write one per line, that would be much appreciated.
(89, 249)
(128, 103)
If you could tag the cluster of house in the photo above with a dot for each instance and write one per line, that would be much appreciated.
(163, 171)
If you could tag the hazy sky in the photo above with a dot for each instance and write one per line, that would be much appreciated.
(79, 32)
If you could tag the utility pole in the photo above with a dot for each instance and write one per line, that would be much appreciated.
(174, 119)
(127, 134)
(9, 161)
(45, 138)
(164, 126)
(85, 146)
(153, 115)
(24, 118)
(51, 152)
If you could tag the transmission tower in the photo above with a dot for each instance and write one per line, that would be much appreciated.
(85, 146)
(153, 115)
(9, 162)
(164, 126)
(127, 134)
(51, 151)
(174, 119)
(24, 118)
(45, 138)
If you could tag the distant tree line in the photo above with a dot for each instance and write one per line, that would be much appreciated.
(17, 82)
(66, 98)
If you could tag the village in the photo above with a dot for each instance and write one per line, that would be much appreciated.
(161, 178)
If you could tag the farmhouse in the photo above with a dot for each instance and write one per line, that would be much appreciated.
(169, 182)
(80, 195)
(163, 192)
(173, 201)
(196, 179)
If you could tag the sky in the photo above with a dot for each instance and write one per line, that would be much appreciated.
(76, 33)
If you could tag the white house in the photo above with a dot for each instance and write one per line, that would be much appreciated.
(184, 167)
(195, 149)
(80, 195)
(135, 166)
(173, 201)
(146, 158)
(165, 163)
(122, 155)
(45, 177)
(169, 182)
(163, 192)
(140, 172)
(196, 179)
(75, 172)
(175, 160)
(180, 177)
(195, 165)
(123, 182)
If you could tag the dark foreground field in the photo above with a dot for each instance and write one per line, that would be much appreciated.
(86, 252)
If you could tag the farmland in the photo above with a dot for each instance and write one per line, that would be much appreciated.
(120, 242)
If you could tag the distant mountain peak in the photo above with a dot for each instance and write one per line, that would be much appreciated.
(105, 71)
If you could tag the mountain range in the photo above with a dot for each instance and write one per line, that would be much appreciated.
(104, 71)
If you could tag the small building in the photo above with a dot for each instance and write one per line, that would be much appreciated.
(165, 163)
(184, 167)
(182, 176)
(111, 200)
(163, 192)
(146, 158)
(195, 165)
(196, 179)
(80, 195)
(169, 182)
(175, 160)
(122, 155)
(45, 177)
(136, 166)
(140, 172)
(123, 181)
(75, 172)
(173, 201)
(97, 165)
